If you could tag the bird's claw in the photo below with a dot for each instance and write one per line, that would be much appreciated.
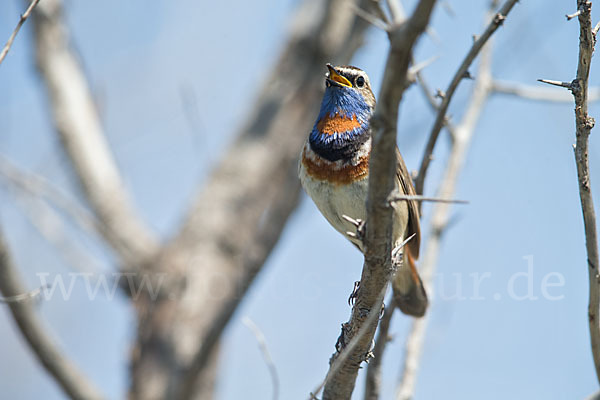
(360, 226)
(354, 293)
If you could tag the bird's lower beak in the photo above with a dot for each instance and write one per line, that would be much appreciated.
(336, 79)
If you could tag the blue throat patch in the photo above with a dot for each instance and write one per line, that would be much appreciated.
(346, 103)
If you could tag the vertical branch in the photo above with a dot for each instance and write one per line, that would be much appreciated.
(69, 378)
(377, 269)
(583, 127)
(584, 124)
(440, 215)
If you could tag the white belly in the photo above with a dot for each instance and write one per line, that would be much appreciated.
(336, 200)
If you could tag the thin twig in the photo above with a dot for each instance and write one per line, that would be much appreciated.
(568, 85)
(264, 350)
(574, 15)
(67, 375)
(370, 18)
(493, 25)
(38, 187)
(22, 20)
(27, 296)
(539, 94)
(405, 197)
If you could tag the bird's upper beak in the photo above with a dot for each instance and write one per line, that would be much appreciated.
(336, 79)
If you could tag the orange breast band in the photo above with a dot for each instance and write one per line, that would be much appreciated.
(330, 125)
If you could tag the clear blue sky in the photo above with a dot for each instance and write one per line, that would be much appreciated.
(519, 178)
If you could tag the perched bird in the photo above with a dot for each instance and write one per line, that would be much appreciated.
(334, 171)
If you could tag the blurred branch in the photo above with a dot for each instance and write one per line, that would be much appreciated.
(540, 94)
(461, 73)
(440, 214)
(378, 268)
(78, 125)
(239, 214)
(427, 92)
(36, 186)
(373, 378)
(12, 37)
(71, 380)
(22, 297)
(264, 350)
(46, 221)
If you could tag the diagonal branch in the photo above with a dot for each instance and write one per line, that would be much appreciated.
(440, 215)
(12, 37)
(378, 268)
(71, 380)
(458, 77)
(78, 125)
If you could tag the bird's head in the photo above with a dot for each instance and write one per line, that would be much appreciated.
(343, 122)
(349, 83)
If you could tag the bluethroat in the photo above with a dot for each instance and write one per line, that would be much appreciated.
(334, 171)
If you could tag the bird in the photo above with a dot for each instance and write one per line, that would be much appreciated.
(334, 172)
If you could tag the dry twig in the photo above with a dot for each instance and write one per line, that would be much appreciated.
(458, 77)
(22, 20)
(264, 351)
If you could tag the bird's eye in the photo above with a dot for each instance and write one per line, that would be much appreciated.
(360, 81)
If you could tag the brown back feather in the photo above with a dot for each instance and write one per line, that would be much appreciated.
(407, 187)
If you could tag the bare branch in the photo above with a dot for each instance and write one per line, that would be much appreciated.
(440, 215)
(264, 350)
(27, 296)
(394, 197)
(67, 375)
(12, 37)
(370, 18)
(36, 186)
(78, 125)
(574, 15)
(378, 268)
(339, 358)
(426, 90)
(493, 25)
(568, 85)
(539, 94)
(584, 124)
(373, 379)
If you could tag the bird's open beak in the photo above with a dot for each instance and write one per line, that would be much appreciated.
(336, 79)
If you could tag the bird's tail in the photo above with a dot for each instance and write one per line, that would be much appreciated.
(409, 292)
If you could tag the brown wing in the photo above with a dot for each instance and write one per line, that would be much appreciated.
(407, 187)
